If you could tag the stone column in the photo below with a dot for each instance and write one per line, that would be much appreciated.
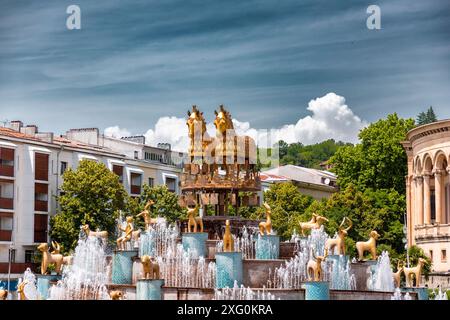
(420, 204)
(426, 198)
(438, 192)
(408, 209)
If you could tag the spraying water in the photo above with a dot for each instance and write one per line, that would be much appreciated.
(382, 279)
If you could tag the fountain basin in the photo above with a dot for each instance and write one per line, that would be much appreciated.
(43, 284)
(422, 292)
(229, 268)
(317, 290)
(196, 243)
(149, 289)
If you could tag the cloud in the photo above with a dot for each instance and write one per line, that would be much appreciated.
(116, 132)
(331, 118)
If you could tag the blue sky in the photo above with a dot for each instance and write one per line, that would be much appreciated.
(134, 62)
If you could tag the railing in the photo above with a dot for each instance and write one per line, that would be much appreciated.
(7, 203)
(432, 231)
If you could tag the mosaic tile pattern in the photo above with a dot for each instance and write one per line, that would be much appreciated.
(122, 267)
(149, 289)
(229, 269)
(267, 247)
(317, 290)
(196, 243)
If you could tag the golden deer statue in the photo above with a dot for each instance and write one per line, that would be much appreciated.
(20, 290)
(99, 234)
(339, 242)
(116, 295)
(228, 241)
(146, 214)
(193, 220)
(266, 227)
(397, 275)
(121, 241)
(314, 266)
(67, 260)
(369, 245)
(48, 258)
(315, 223)
(150, 268)
(414, 271)
(4, 294)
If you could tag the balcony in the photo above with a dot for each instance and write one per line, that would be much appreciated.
(7, 203)
(6, 171)
(433, 231)
(40, 205)
(5, 235)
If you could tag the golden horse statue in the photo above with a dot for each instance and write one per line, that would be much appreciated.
(150, 267)
(266, 227)
(314, 266)
(416, 271)
(49, 258)
(369, 245)
(193, 220)
(228, 241)
(339, 242)
(197, 132)
(315, 223)
(121, 241)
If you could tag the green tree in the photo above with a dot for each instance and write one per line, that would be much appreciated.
(379, 161)
(426, 117)
(92, 195)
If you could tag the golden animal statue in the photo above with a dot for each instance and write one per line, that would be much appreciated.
(314, 266)
(150, 267)
(228, 241)
(397, 275)
(369, 245)
(99, 234)
(197, 132)
(339, 242)
(121, 241)
(193, 220)
(20, 290)
(414, 271)
(48, 258)
(116, 295)
(266, 227)
(3, 294)
(146, 214)
(315, 223)
(67, 260)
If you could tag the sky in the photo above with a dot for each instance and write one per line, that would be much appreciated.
(308, 70)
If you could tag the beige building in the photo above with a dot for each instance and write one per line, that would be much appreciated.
(428, 191)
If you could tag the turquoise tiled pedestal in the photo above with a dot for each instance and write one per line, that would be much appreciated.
(229, 269)
(149, 289)
(122, 266)
(43, 284)
(422, 292)
(317, 290)
(195, 242)
(267, 247)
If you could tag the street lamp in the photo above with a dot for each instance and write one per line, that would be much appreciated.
(405, 239)
(10, 254)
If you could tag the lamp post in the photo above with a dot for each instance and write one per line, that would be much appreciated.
(10, 252)
(405, 238)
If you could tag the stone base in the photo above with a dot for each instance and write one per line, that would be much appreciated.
(267, 247)
(229, 268)
(149, 289)
(422, 292)
(43, 284)
(122, 266)
(317, 290)
(195, 242)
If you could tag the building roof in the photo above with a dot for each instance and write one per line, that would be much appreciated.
(300, 174)
(16, 134)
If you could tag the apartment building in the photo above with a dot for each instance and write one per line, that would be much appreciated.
(31, 168)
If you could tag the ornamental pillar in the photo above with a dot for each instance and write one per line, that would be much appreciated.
(426, 198)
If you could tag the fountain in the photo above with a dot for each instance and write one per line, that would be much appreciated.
(382, 277)
(241, 293)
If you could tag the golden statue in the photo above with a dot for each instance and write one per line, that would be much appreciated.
(339, 242)
(146, 213)
(121, 241)
(315, 223)
(193, 220)
(150, 267)
(228, 241)
(397, 275)
(116, 295)
(98, 234)
(267, 225)
(197, 132)
(20, 290)
(4, 294)
(416, 271)
(67, 260)
(369, 245)
(314, 266)
(48, 258)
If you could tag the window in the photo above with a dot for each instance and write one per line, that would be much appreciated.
(136, 182)
(119, 171)
(41, 197)
(6, 162)
(40, 227)
(29, 256)
(433, 205)
(431, 255)
(6, 194)
(151, 182)
(63, 167)
(443, 255)
(41, 163)
(136, 154)
(171, 184)
(6, 226)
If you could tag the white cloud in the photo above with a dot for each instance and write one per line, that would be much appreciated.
(331, 118)
(116, 132)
